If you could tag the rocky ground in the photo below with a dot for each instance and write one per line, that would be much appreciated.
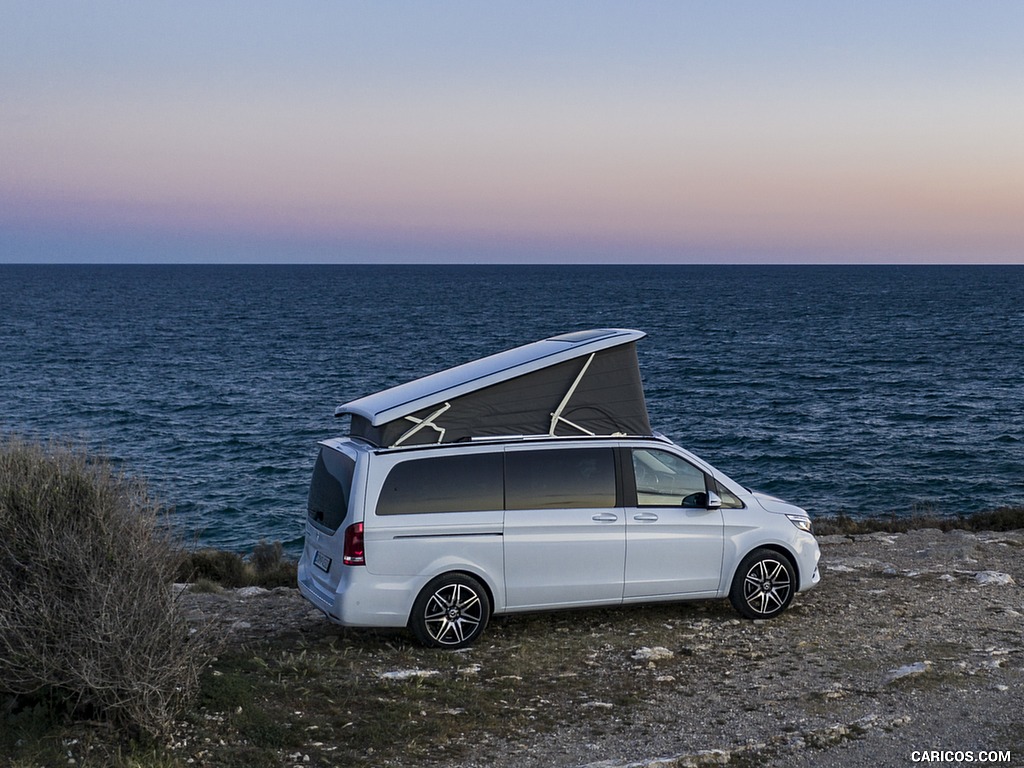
(910, 651)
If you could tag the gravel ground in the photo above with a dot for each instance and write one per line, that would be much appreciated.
(909, 652)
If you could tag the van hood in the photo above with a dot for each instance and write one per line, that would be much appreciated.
(778, 506)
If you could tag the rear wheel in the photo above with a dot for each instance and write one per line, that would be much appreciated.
(451, 612)
(764, 585)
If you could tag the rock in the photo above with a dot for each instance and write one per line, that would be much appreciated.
(407, 674)
(652, 654)
(881, 536)
(908, 670)
(994, 577)
(251, 591)
(835, 538)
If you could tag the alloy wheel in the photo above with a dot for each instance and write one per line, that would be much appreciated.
(454, 614)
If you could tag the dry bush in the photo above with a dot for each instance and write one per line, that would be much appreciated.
(87, 613)
(272, 568)
(266, 567)
(225, 569)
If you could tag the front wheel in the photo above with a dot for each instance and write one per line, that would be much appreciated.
(451, 612)
(764, 585)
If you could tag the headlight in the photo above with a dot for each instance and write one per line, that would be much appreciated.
(803, 523)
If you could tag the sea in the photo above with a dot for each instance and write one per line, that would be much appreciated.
(863, 390)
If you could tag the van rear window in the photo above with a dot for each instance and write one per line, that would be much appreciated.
(330, 489)
(468, 483)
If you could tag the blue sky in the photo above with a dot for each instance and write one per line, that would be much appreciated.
(516, 132)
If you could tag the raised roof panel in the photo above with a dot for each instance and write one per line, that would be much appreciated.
(585, 382)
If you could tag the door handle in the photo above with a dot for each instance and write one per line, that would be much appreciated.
(605, 517)
(646, 517)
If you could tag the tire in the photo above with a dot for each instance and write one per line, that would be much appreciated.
(451, 612)
(764, 585)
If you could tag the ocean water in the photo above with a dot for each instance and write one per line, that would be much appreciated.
(864, 390)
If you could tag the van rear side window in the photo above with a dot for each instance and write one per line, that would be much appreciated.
(467, 483)
(330, 489)
(580, 478)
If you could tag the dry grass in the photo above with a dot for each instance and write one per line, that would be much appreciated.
(369, 698)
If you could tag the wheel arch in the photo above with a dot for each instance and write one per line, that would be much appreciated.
(758, 591)
(779, 549)
(480, 578)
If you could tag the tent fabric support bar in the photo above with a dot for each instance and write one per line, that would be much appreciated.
(556, 417)
(427, 422)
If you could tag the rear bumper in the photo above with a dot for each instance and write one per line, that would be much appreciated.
(312, 591)
(361, 599)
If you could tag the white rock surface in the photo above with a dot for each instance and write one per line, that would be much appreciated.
(994, 578)
(652, 654)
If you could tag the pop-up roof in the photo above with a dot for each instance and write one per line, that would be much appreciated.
(582, 383)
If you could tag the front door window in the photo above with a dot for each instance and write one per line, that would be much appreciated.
(665, 480)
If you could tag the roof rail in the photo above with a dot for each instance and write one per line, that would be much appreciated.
(505, 439)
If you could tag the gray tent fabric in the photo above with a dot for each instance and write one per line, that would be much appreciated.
(597, 392)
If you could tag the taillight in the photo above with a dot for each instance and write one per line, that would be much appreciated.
(354, 553)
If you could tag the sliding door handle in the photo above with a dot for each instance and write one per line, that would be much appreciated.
(646, 517)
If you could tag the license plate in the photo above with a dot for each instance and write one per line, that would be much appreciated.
(322, 561)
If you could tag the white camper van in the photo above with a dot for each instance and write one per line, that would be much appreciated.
(531, 480)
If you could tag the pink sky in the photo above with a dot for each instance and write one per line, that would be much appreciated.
(672, 132)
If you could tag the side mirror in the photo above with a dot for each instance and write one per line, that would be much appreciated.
(709, 500)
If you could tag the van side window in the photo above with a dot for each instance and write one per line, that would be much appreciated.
(329, 490)
(577, 478)
(665, 480)
(467, 483)
(729, 499)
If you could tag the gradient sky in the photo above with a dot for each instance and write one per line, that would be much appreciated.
(313, 131)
